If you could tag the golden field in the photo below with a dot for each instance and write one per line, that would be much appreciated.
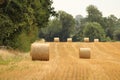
(65, 64)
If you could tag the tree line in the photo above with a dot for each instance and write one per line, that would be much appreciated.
(24, 21)
(94, 25)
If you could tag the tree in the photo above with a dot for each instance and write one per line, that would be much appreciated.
(78, 22)
(5, 28)
(62, 26)
(111, 24)
(53, 30)
(68, 25)
(116, 34)
(23, 17)
(94, 30)
(3, 3)
(94, 15)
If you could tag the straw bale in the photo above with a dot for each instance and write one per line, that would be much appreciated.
(86, 39)
(39, 51)
(40, 41)
(96, 40)
(84, 53)
(56, 39)
(69, 39)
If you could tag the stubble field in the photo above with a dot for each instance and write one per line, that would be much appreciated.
(65, 64)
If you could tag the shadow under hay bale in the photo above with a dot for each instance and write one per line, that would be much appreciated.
(56, 39)
(86, 39)
(69, 39)
(84, 53)
(40, 51)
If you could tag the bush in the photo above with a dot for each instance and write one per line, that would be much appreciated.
(94, 30)
(24, 40)
(116, 34)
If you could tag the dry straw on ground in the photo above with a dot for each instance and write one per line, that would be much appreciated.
(69, 39)
(5, 54)
(39, 51)
(84, 53)
(56, 39)
(86, 39)
(96, 40)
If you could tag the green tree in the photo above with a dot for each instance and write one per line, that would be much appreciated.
(116, 34)
(78, 22)
(111, 24)
(21, 17)
(62, 26)
(94, 15)
(53, 30)
(94, 30)
(5, 28)
(68, 25)
(3, 3)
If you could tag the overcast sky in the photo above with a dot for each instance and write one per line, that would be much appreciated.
(76, 7)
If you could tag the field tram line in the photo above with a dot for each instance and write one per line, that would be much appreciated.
(60, 73)
(84, 72)
(75, 72)
(76, 50)
(55, 62)
(50, 71)
(71, 71)
(65, 73)
(71, 52)
(54, 52)
(64, 53)
(55, 74)
(42, 72)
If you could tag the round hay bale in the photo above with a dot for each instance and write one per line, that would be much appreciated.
(86, 39)
(69, 39)
(40, 41)
(84, 53)
(56, 39)
(96, 40)
(39, 51)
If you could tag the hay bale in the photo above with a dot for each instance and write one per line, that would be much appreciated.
(39, 51)
(84, 53)
(40, 41)
(69, 39)
(56, 39)
(86, 39)
(96, 40)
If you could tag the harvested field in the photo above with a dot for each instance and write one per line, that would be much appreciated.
(65, 64)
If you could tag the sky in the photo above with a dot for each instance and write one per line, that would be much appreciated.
(78, 7)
